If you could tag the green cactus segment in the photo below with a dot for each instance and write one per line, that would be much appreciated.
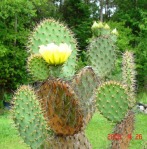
(101, 55)
(28, 117)
(128, 74)
(105, 32)
(38, 68)
(84, 84)
(112, 101)
(63, 111)
(77, 141)
(51, 31)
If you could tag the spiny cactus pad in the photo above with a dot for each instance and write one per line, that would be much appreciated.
(77, 141)
(63, 110)
(124, 131)
(112, 101)
(51, 31)
(84, 84)
(28, 117)
(128, 74)
(38, 68)
(101, 55)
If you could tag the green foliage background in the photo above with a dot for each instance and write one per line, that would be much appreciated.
(18, 18)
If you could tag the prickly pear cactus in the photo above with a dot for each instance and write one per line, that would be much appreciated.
(51, 31)
(28, 117)
(62, 108)
(68, 105)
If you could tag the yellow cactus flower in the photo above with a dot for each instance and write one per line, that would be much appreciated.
(54, 54)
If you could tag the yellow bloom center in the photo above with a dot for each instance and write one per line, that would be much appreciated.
(54, 54)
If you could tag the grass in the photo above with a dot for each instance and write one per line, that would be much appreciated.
(142, 97)
(9, 138)
(97, 131)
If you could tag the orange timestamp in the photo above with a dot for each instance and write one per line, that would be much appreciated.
(117, 136)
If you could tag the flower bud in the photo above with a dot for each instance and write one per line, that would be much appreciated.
(106, 26)
(94, 26)
(100, 25)
(114, 32)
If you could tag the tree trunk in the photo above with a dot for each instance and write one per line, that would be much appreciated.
(101, 10)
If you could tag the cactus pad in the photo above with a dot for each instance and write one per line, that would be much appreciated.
(112, 101)
(28, 117)
(84, 84)
(125, 130)
(101, 55)
(128, 74)
(51, 31)
(62, 108)
(77, 141)
(38, 68)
